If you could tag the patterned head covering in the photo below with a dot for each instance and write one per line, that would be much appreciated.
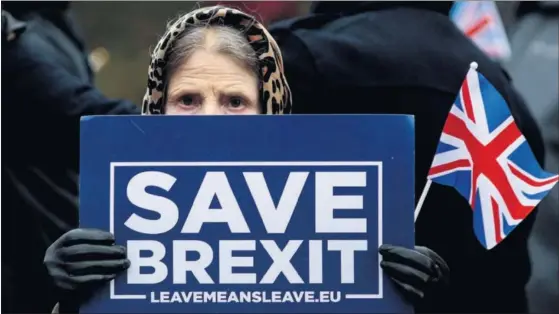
(275, 95)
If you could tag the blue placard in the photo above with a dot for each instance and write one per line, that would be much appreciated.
(250, 214)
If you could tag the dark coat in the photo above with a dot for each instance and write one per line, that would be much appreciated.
(408, 58)
(46, 87)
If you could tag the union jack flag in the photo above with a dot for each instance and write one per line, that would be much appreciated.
(481, 22)
(483, 155)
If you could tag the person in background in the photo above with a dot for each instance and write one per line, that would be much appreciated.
(534, 68)
(266, 11)
(214, 60)
(47, 86)
(409, 58)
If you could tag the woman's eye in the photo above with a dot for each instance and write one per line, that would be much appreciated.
(187, 100)
(236, 102)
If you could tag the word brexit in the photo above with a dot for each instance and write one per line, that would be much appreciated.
(275, 219)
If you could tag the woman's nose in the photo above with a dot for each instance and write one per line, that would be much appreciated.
(210, 108)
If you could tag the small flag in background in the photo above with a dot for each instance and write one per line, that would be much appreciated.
(483, 155)
(481, 22)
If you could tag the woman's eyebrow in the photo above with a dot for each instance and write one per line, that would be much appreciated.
(181, 89)
(239, 93)
(232, 91)
(235, 88)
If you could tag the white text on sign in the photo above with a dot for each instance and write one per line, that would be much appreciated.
(275, 219)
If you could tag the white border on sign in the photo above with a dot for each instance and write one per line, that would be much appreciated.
(378, 164)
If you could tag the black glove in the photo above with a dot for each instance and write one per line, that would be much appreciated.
(82, 261)
(419, 273)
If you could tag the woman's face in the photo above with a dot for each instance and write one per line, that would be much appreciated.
(210, 83)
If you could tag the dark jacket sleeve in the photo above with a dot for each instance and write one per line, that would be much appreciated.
(300, 69)
(43, 101)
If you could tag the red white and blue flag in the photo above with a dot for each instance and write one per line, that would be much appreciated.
(485, 157)
(482, 23)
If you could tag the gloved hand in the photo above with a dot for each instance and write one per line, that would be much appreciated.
(419, 273)
(82, 261)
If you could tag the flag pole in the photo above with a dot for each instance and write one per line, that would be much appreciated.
(422, 199)
(473, 66)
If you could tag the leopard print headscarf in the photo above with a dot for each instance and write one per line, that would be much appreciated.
(275, 95)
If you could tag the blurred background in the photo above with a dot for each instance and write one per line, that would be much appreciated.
(119, 34)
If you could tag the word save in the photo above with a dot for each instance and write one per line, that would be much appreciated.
(275, 218)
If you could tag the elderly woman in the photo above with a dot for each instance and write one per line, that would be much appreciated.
(213, 60)
(216, 61)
